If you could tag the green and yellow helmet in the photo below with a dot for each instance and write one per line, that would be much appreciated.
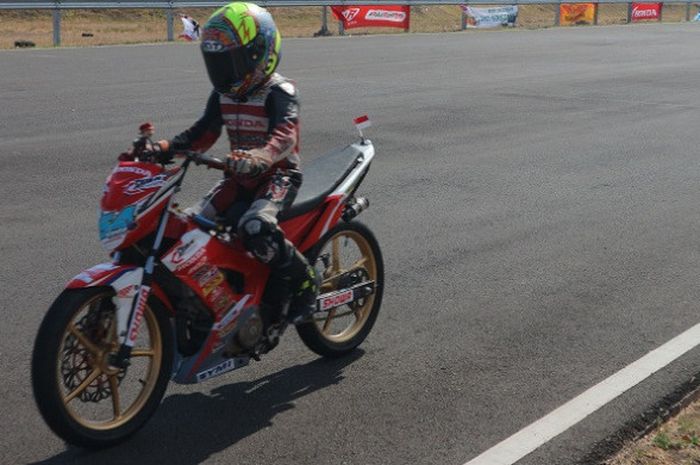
(241, 48)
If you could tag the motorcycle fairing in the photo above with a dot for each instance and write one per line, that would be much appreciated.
(133, 198)
(209, 361)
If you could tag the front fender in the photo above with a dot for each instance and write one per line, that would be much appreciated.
(103, 274)
(124, 279)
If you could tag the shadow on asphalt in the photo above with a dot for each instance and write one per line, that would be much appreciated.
(188, 428)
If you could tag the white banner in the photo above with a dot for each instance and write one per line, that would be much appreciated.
(491, 17)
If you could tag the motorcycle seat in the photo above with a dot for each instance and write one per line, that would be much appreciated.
(321, 176)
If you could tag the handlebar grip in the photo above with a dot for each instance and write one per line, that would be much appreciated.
(212, 162)
(201, 159)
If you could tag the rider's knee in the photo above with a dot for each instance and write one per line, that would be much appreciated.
(262, 238)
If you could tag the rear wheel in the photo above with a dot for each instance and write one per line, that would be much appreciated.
(346, 255)
(82, 398)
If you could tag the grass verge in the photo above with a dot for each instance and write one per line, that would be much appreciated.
(676, 442)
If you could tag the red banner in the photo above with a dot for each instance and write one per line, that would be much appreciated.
(373, 16)
(646, 12)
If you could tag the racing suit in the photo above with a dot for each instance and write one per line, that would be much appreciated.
(264, 124)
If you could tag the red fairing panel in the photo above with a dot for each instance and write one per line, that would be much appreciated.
(130, 182)
(332, 211)
(297, 229)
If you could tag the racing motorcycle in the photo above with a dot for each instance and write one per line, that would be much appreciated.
(181, 298)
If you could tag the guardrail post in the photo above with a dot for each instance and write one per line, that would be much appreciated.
(341, 28)
(629, 13)
(687, 11)
(595, 13)
(661, 13)
(464, 19)
(408, 28)
(56, 26)
(324, 21)
(169, 16)
(557, 14)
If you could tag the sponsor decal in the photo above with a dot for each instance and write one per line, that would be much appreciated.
(216, 370)
(222, 302)
(204, 273)
(180, 254)
(337, 300)
(646, 11)
(138, 314)
(576, 13)
(188, 252)
(127, 292)
(208, 287)
(383, 15)
(194, 261)
(241, 123)
(368, 16)
(479, 17)
(278, 191)
(212, 46)
(351, 13)
(139, 185)
(113, 226)
(133, 169)
(232, 313)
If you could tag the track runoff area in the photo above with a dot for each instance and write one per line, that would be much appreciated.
(540, 186)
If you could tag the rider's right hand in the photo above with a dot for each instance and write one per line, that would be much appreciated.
(158, 152)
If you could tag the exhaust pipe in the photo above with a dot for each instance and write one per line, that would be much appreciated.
(355, 207)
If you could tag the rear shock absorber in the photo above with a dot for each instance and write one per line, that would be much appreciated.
(354, 207)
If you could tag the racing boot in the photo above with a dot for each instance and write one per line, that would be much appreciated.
(304, 284)
(304, 302)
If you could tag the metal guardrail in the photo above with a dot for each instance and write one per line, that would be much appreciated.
(169, 6)
(91, 4)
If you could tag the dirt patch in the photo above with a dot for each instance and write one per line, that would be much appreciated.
(676, 442)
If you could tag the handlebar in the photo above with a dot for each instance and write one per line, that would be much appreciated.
(202, 159)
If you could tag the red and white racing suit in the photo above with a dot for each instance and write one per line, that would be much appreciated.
(265, 124)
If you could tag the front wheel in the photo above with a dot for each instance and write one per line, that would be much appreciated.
(349, 253)
(81, 397)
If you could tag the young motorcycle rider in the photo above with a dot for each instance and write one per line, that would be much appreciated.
(259, 108)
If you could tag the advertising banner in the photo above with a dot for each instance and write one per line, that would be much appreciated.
(373, 16)
(576, 13)
(646, 12)
(490, 17)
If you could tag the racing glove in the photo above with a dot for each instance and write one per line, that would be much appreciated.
(162, 152)
(241, 163)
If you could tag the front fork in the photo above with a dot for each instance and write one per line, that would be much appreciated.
(130, 331)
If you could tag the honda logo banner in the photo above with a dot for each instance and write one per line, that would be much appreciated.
(398, 16)
(646, 12)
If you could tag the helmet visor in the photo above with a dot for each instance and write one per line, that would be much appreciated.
(227, 68)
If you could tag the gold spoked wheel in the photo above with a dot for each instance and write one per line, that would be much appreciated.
(84, 399)
(347, 255)
(95, 394)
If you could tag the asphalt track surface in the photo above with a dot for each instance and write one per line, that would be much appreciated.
(536, 195)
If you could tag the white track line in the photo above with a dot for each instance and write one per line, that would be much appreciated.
(540, 432)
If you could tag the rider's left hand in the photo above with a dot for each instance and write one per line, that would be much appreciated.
(242, 163)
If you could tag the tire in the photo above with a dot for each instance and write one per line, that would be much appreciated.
(318, 334)
(68, 346)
